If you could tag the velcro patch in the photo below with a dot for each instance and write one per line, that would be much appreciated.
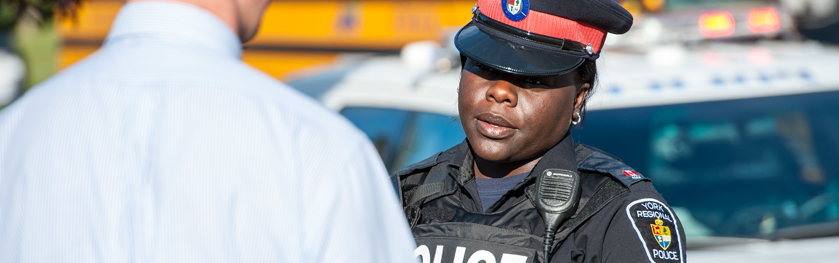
(657, 228)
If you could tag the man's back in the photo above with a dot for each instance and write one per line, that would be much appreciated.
(164, 146)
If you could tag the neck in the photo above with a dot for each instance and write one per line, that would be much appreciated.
(488, 169)
(561, 156)
(223, 9)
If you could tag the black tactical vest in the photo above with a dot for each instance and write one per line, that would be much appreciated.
(445, 231)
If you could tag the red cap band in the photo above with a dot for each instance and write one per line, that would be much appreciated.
(546, 25)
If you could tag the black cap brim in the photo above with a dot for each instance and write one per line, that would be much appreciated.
(515, 58)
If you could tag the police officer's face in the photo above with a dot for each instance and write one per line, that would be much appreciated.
(513, 118)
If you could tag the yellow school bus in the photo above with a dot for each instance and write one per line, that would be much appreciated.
(297, 34)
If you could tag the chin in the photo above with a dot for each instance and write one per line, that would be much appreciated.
(493, 151)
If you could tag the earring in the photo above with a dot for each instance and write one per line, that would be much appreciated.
(578, 120)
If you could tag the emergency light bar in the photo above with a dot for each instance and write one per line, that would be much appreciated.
(722, 23)
(716, 24)
(764, 20)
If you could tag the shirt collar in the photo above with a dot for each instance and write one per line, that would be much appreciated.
(173, 22)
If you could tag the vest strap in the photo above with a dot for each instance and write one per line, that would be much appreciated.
(425, 190)
(433, 184)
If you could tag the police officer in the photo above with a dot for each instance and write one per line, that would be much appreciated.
(518, 189)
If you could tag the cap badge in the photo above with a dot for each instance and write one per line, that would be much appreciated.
(515, 10)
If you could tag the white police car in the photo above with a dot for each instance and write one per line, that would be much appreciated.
(743, 140)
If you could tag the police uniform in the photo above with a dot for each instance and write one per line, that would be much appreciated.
(619, 216)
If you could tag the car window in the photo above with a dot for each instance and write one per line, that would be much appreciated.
(405, 137)
(385, 127)
(429, 134)
(739, 168)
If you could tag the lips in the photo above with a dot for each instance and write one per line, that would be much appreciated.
(494, 126)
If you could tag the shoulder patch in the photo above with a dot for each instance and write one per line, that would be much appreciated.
(658, 230)
(592, 159)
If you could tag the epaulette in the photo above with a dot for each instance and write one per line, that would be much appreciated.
(596, 160)
(429, 162)
(421, 165)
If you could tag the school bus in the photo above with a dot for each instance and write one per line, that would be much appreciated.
(297, 34)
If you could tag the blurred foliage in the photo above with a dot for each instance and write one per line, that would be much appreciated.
(13, 11)
(7, 16)
(28, 26)
(38, 46)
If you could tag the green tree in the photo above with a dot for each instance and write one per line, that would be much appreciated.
(26, 26)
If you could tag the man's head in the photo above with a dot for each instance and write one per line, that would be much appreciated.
(242, 16)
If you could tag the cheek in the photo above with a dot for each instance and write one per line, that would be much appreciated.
(543, 105)
(549, 112)
(469, 92)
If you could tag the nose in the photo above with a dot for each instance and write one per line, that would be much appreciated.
(504, 92)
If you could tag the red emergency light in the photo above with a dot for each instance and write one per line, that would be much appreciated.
(716, 24)
(764, 20)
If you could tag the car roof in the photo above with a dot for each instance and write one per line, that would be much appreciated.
(384, 82)
(627, 78)
(713, 72)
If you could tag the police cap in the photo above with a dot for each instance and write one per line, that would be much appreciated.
(540, 37)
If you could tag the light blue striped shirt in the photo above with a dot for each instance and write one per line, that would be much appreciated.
(164, 147)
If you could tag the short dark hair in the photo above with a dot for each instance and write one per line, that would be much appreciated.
(588, 74)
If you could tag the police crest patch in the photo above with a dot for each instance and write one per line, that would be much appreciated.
(661, 233)
(515, 10)
(657, 228)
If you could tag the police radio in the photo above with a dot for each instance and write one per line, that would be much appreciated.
(557, 195)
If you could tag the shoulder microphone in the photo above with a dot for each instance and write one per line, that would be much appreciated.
(557, 195)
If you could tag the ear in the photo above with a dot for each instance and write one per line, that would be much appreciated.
(580, 100)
